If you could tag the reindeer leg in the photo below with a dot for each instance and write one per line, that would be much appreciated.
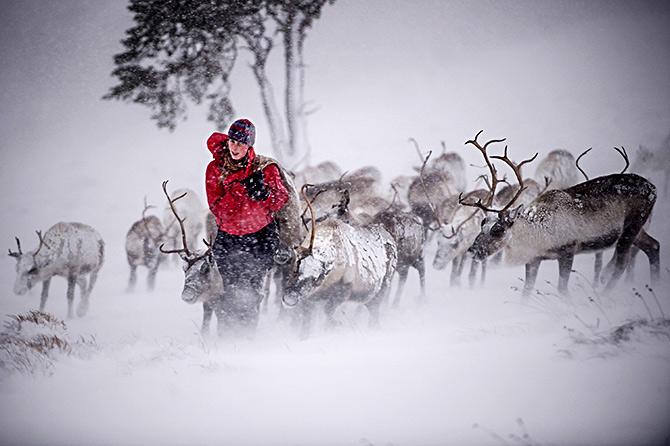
(71, 282)
(497, 258)
(630, 267)
(266, 292)
(482, 279)
(132, 279)
(621, 253)
(151, 277)
(564, 269)
(82, 308)
(402, 278)
(473, 273)
(531, 275)
(207, 310)
(421, 268)
(456, 270)
(651, 247)
(597, 267)
(45, 293)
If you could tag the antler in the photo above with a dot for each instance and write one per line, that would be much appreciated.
(144, 221)
(425, 190)
(42, 243)
(416, 146)
(623, 153)
(516, 168)
(312, 235)
(577, 162)
(493, 184)
(171, 201)
(16, 254)
(455, 231)
(494, 173)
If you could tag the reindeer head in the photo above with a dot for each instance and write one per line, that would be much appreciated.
(202, 280)
(28, 269)
(496, 224)
(306, 267)
(494, 233)
(455, 238)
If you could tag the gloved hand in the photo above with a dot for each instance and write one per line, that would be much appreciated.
(255, 186)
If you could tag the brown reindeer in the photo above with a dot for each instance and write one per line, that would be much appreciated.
(606, 211)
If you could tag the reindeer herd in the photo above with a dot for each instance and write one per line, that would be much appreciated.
(353, 235)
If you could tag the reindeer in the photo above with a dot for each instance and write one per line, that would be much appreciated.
(455, 237)
(341, 262)
(650, 162)
(202, 281)
(361, 189)
(435, 183)
(193, 213)
(407, 231)
(605, 211)
(70, 250)
(321, 173)
(558, 170)
(142, 242)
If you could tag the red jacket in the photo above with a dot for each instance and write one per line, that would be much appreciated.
(235, 212)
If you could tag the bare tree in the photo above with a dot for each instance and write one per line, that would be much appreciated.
(185, 50)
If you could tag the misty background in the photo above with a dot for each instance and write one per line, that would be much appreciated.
(543, 74)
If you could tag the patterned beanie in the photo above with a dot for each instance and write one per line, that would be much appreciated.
(242, 131)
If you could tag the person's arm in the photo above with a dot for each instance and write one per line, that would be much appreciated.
(278, 194)
(215, 141)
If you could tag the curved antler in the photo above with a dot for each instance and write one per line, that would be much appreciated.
(312, 235)
(493, 184)
(623, 153)
(577, 162)
(516, 168)
(425, 189)
(16, 254)
(42, 243)
(171, 201)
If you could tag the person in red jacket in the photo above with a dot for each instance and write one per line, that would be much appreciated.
(244, 192)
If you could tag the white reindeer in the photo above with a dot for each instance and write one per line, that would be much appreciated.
(142, 242)
(650, 162)
(558, 170)
(70, 250)
(342, 262)
(321, 173)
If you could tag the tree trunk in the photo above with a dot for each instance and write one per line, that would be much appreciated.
(275, 124)
(303, 112)
(291, 38)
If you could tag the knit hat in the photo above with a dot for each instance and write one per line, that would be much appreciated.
(242, 131)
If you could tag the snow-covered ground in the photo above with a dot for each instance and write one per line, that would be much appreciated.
(468, 366)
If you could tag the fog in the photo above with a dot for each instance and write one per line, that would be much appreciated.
(471, 366)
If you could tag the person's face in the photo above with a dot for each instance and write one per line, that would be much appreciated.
(237, 149)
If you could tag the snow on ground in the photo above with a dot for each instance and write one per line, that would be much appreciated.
(467, 367)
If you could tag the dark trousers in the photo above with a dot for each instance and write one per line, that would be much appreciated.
(244, 261)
